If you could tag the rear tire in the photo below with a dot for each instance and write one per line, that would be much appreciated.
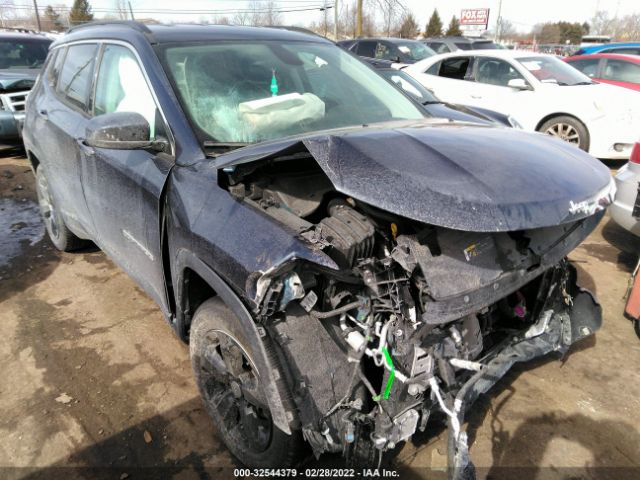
(636, 327)
(61, 237)
(228, 377)
(569, 129)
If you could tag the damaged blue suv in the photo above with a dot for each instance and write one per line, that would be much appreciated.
(344, 267)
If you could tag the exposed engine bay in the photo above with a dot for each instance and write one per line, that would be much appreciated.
(418, 320)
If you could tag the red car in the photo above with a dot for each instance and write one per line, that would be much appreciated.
(616, 69)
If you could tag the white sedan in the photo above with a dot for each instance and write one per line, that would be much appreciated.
(541, 92)
(625, 210)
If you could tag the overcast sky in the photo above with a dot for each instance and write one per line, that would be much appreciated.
(522, 13)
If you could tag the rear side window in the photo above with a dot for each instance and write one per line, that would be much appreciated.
(55, 64)
(74, 82)
(588, 66)
(621, 71)
(366, 49)
(433, 69)
(454, 67)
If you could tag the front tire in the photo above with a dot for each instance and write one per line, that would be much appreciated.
(569, 129)
(228, 377)
(59, 234)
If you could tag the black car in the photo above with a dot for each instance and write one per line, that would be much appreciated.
(21, 58)
(398, 50)
(453, 44)
(434, 106)
(342, 265)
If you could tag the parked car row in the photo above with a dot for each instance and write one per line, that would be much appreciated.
(21, 58)
(542, 93)
(342, 261)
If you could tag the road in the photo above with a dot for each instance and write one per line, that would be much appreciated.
(96, 385)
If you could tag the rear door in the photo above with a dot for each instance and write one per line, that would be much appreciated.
(451, 82)
(62, 116)
(123, 188)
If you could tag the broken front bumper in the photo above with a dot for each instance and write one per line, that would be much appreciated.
(554, 332)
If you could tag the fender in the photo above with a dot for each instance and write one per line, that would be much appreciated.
(274, 386)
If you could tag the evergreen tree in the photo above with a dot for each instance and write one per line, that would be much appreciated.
(454, 28)
(434, 27)
(80, 12)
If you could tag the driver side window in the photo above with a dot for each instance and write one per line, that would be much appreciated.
(494, 71)
(121, 87)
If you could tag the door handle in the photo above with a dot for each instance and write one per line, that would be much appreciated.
(476, 96)
(84, 148)
(43, 113)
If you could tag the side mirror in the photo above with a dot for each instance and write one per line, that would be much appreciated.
(122, 131)
(518, 84)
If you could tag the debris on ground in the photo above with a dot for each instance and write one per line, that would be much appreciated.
(64, 398)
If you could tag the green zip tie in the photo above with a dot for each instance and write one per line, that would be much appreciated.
(392, 376)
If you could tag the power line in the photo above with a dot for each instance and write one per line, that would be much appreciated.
(317, 6)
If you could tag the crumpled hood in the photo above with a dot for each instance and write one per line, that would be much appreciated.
(456, 176)
(14, 80)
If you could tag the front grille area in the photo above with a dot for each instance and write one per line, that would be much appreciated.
(15, 101)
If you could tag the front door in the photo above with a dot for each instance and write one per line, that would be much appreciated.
(123, 188)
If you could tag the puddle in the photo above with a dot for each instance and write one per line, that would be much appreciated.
(20, 228)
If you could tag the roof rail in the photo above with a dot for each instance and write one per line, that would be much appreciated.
(141, 27)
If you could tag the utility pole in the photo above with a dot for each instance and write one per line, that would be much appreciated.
(130, 10)
(359, 19)
(335, 20)
(499, 21)
(35, 5)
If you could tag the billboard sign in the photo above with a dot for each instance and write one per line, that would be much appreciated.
(475, 16)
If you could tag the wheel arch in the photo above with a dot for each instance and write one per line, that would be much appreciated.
(564, 114)
(192, 275)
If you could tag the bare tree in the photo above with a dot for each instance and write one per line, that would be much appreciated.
(241, 18)
(602, 24)
(391, 11)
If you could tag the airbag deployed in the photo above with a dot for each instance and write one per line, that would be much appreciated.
(277, 113)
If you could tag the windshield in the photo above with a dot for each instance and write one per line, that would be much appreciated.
(553, 70)
(249, 92)
(415, 50)
(409, 85)
(23, 53)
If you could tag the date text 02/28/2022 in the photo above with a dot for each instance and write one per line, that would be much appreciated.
(315, 472)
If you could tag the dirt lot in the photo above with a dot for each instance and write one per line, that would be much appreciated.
(95, 384)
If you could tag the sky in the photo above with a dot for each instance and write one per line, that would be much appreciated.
(523, 14)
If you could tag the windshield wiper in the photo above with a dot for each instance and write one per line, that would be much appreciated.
(583, 83)
(432, 102)
(220, 148)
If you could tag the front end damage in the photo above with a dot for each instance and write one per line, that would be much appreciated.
(374, 351)
(419, 319)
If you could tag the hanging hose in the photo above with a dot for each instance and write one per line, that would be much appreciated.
(337, 311)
